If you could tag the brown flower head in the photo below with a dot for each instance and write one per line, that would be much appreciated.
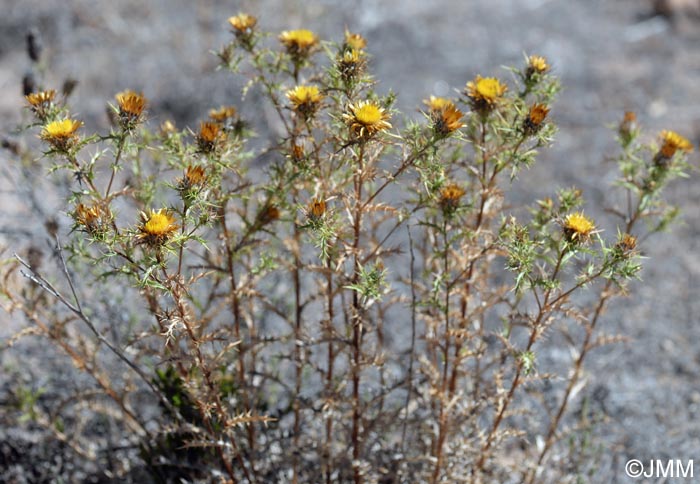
(316, 209)
(157, 227)
(627, 244)
(535, 118)
(61, 134)
(210, 137)
(131, 107)
(366, 118)
(444, 114)
(628, 127)
(193, 179)
(268, 214)
(485, 93)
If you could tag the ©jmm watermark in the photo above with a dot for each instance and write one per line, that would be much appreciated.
(658, 468)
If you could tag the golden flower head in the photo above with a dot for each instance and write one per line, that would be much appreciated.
(210, 136)
(93, 219)
(61, 134)
(537, 64)
(671, 142)
(131, 106)
(222, 114)
(243, 23)
(450, 196)
(41, 102)
(36, 99)
(535, 117)
(354, 41)
(305, 99)
(444, 114)
(299, 43)
(366, 118)
(485, 93)
(157, 227)
(578, 227)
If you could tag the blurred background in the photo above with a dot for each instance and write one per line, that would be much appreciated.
(611, 56)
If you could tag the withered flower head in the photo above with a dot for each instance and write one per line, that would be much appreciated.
(450, 196)
(351, 64)
(672, 142)
(444, 114)
(268, 214)
(61, 134)
(222, 114)
(299, 43)
(131, 107)
(627, 244)
(194, 178)
(366, 118)
(41, 102)
(316, 209)
(305, 99)
(578, 227)
(354, 41)
(210, 137)
(94, 219)
(535, 118)
(485, 93)
(157, 227)
(243, 23)
(627, 127)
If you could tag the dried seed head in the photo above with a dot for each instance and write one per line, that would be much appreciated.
(94, 219)
(34, 45)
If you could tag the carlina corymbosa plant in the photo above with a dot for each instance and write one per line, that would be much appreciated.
(367, 307)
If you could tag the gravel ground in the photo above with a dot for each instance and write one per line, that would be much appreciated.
(611, 55)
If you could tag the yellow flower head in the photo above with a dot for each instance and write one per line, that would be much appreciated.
(243, 23)
(366, 118)
(222, 114)
(305, 99)
(485, 92)
(537, 64)
(210, 136)
(578, 227)
(157, 227)
(671, 142)
(450, 196)
(445, 115)
(535, 117)
(61, 134)
(299, 43)
(37, 99)
(354, 41)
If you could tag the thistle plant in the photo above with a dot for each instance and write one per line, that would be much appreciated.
(367, 307)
